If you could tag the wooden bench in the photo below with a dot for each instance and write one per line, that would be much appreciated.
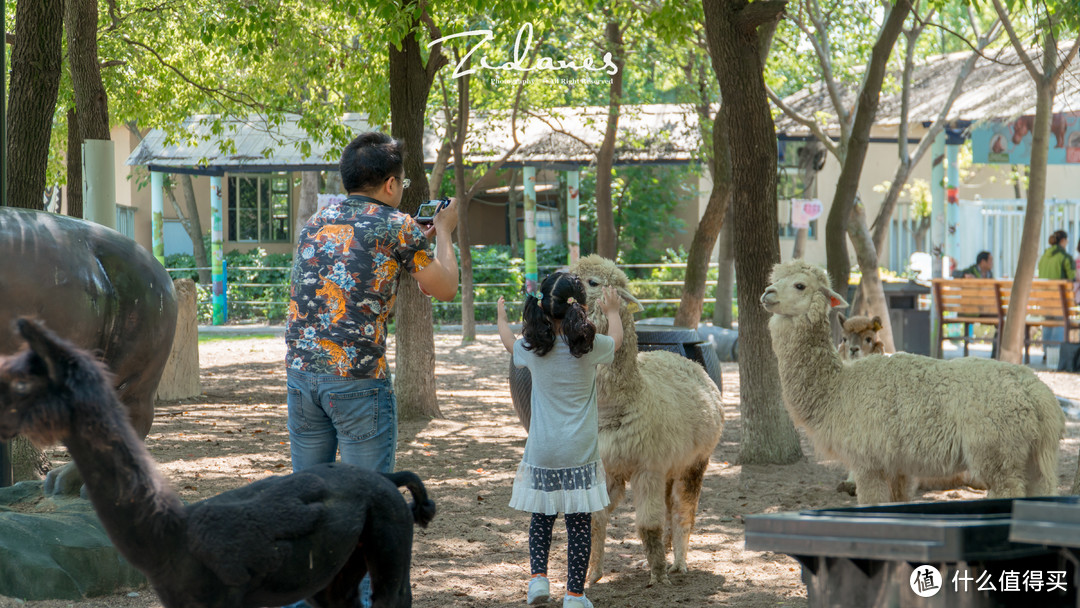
(969, 302)
(1050, 304)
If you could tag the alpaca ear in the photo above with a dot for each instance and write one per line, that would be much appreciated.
(42, 343)
(632, 303)
(842, 318)
(875, 323)
(834, 298)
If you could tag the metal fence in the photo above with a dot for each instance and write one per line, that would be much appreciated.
(994, 225)
(232, 286)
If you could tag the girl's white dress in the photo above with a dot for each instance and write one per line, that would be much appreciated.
(561, 471)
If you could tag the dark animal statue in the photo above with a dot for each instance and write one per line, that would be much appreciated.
(99, 288)
(311, 535)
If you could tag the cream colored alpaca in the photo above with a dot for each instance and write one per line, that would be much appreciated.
(860, 338)
(660, 419)
(893, 418)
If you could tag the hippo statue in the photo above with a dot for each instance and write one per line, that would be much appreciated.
(100, 290)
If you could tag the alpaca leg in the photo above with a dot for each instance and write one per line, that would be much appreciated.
(344, 589)
(899, 488)
(689, 491)
(616, 487)
(387, 545)
(649, 515)
(871, 487)
(1004, 472)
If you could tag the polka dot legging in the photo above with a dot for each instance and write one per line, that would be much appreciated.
(579, 543)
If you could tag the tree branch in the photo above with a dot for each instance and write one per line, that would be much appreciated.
(815, 128)
(756, 14)
(1018, 46)
(1065, 63)
(822, 44)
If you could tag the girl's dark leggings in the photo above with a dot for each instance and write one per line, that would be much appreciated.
(578, 541)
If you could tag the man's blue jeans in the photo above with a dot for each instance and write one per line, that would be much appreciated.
(327, 414)
(356, 416)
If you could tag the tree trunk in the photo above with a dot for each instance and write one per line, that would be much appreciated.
(725, 277)
(847, 185)
(798, 248)
(439, 168)
(35, 80)
(606, 241)
(28, 462)
(410, 83)
(189, 219)
(74, 166)
(1012, 335)
(512, 212)
(732, 30)
(697, 262)
(80, 21)
(872, 289)
(309, 201)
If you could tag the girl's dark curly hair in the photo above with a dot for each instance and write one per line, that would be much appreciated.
(562, 297)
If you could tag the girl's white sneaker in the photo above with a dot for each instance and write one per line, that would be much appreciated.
(571, 601)
(539, 590)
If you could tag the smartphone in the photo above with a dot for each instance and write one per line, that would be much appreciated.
(427, 211)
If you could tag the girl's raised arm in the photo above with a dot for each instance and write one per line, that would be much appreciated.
(609, 304)
(505, 333)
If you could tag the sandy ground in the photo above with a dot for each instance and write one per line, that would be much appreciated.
(475, 554)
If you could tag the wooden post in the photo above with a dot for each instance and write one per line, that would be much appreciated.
(530, 229)
(157, 210)
(573, 213)
(937, 232)
(217, 256)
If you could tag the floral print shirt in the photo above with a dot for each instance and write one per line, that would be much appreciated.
(344, 283)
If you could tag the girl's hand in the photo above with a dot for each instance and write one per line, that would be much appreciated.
(610, 301)
(501, 309)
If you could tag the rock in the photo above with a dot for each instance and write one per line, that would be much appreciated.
(56, 548)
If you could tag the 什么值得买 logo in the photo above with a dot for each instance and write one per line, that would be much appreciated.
(521, 52)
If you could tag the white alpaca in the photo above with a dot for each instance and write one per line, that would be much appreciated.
(660, 419)
(892, 418)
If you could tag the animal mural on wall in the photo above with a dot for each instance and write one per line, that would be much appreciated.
(309, 535)
(102, 290)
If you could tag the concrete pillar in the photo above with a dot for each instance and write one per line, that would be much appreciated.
(99, 185)
(531, 278)
(157, 210)
(573, 214)
(217, 254)
(937, 230)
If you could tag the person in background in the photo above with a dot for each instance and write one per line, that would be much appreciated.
(981, 269)
(1057, 264)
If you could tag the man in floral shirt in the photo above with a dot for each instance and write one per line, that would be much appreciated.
(344, 283)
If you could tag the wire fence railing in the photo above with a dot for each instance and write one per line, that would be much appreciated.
(250, 295)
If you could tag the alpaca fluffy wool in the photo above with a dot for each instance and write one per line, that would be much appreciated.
(892, 418)
(660, 419)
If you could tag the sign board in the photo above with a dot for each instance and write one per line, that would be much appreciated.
(804, 211)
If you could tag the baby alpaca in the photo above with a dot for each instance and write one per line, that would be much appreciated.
(310, 535)
(893, 418)
(860, 337)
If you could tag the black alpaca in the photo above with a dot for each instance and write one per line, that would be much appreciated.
(310, 535)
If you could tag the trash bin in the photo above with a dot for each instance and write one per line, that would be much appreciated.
(910, 326)
(868, 556)
(682, 341)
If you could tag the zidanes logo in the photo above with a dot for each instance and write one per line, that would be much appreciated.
(521, 52)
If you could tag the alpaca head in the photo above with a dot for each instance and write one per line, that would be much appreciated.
(596, 273)
(860, 337)
(800, 289)
(38, 384)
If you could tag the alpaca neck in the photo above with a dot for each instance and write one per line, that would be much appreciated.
(623, 371)
(808, 365)
(142, 514)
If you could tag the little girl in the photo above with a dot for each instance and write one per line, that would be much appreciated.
(561, 469)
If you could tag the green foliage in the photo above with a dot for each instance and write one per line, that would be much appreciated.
(266, 299)
(644, 198)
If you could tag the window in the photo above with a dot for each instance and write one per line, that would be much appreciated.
(793, 183)
(259, 208)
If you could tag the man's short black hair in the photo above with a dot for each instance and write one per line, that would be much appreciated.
(369, 160)
(983, 255)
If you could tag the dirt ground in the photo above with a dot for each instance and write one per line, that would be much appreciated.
(475, 554)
